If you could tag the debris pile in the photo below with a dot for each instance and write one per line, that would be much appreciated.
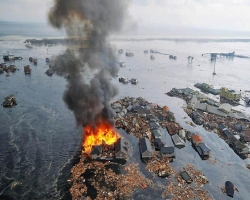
(179, 189)
(248, 166)
(9, 101)
(198, 178)
(108, 182)
(160, 167)
(172, 57)
(126, 80)
(129, 54)
(173, 128)
(8, 70)
(185, 192)
(27, 69)
(49, 72)
(138, 117)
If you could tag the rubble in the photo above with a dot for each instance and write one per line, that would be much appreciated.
(248, 166)
(141, 119)
(9, 101)
(35, 61)
(138, 117)
(172, 57)
(49, 72)
(173, 128)
(160, 167)
(179, 189)
(122, 64)
(27, 69)
(47, 60)
(134, 81)
(120, 51)
(107, 183)
(185, 192)
(129, 54)
(124, 80)
(8, 70)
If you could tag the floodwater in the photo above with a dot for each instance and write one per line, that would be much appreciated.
(40, 140)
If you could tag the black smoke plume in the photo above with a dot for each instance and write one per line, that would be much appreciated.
(91, 22)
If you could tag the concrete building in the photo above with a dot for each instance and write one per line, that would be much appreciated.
(230, 95)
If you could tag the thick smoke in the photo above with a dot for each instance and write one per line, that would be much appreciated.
(92, 21)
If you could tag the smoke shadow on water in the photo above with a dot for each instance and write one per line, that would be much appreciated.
(91, 191)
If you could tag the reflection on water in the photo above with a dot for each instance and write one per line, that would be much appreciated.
(39, 138)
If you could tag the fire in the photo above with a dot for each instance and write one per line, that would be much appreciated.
(102, 133)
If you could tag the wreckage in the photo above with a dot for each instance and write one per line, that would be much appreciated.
(9, 101)
(27, 69)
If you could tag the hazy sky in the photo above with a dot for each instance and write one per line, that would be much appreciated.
(209, 14)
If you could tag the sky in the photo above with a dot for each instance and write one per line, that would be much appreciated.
(160, 15)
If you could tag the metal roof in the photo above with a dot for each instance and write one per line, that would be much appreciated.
(228, 133)
(156, 133)
(203, 147)
(200, 106)
(167, 150)
(145, 145)
(120, 145)
(225, 107)
(222, 126)
(214, 110)
(96, 149)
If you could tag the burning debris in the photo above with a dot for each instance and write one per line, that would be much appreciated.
(96, 176)
(103, 133)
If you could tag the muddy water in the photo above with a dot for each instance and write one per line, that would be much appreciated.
(39, 138)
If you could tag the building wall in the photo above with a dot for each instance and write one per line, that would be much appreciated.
(95, 156)
(120, 155)
(230, 96)
(168, 155)
(146, 154)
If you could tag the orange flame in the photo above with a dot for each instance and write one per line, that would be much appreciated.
(104, 132)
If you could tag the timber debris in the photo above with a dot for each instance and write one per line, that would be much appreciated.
(107, 183)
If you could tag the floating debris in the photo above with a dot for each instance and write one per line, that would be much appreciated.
(27, 69)
(9, 101)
